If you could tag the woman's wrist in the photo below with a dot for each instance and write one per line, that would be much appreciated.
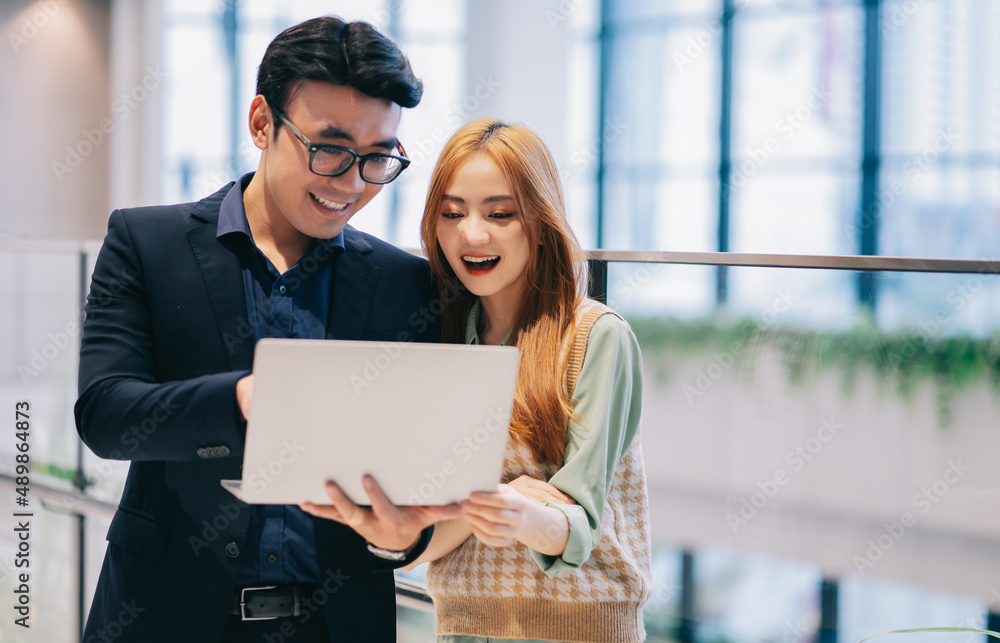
(545, 529)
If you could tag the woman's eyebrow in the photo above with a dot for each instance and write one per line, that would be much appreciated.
(489, 199)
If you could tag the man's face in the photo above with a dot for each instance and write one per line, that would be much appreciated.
(296, 199)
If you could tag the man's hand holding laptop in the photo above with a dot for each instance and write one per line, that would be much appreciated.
(385, 525)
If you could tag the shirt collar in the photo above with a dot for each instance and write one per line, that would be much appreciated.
(233, 218)
(472, 325)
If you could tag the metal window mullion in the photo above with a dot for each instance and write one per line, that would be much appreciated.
(604, 46)
(597, 280)
(992, 624)
(829, 595)
(868, 215)
(80, 479)
(725, 147)
(392, 29)
(687, 626)
(230, 32)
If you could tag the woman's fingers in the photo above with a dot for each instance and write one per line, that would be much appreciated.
(492, 541)
(540, 490)
(504, 496)
(489, 533)
(496, 517)
(552, 493)
(493, 515)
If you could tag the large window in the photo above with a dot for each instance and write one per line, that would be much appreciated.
(804, 127)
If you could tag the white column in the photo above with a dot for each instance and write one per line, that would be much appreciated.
(516, 66)
(138, 84)
(53, 97)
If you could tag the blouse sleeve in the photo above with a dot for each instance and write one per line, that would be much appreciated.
(608, 401)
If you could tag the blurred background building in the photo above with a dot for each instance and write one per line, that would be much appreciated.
(792, 416)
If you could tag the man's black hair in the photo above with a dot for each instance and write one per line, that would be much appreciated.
(344, 53)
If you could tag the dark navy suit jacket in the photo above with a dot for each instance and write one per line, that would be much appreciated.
(165, 339)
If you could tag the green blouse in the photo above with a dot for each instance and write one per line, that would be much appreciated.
(608, 399)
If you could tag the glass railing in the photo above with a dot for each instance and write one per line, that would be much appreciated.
(817, 469)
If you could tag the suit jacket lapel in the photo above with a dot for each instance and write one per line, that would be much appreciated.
(352, 288)
(220, 268)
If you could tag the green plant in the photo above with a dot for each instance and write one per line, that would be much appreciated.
(902, 360)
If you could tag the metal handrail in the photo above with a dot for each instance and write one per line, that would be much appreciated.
(68, 499)
(822, 262)
(865, 263)
(47, 246)
(413, 594)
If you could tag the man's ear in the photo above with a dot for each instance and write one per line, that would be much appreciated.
(261, 122)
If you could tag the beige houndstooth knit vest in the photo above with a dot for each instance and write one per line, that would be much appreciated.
(500, 592)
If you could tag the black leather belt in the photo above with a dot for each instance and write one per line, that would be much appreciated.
(267, 602)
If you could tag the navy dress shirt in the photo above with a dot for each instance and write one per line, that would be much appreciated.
(281, 545)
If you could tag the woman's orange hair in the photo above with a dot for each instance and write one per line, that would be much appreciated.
(555, 276)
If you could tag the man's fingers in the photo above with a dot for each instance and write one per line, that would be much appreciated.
(244, 395)
(350, 513)
(355, 518)
(322, 511)
(380, 504)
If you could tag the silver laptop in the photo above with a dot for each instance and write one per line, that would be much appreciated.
(428, 421)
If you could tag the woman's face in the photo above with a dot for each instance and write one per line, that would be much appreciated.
(482, 235)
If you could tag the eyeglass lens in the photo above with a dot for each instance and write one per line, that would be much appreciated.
(377, 169)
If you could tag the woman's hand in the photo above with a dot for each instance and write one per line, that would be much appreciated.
(495, 518)
(499, 518)
(540, 491)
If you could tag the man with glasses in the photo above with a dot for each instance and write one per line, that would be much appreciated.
(179, 296)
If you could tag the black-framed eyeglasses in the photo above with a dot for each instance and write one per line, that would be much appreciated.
(333, 160)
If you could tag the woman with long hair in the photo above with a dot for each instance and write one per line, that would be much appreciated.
(561, 551)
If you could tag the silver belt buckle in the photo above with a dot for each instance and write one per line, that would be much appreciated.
(243, 604)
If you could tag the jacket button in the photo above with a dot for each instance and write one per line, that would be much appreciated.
(271, 558)
(232, 550)
(202, 453)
